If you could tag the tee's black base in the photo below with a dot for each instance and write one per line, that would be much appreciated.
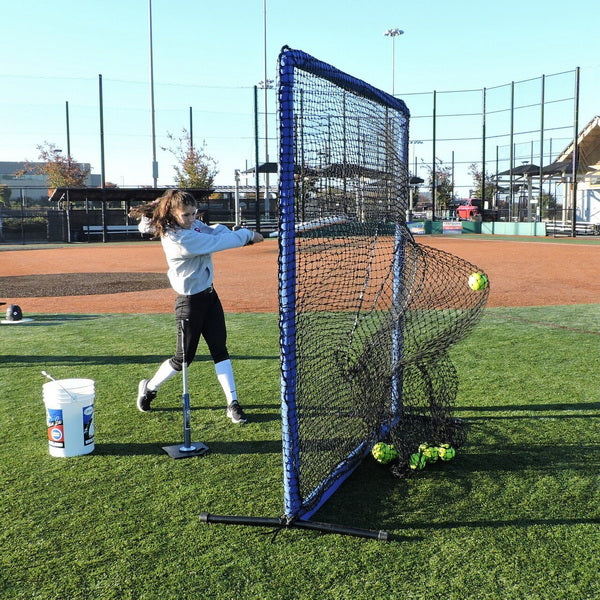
(281, 523)
(182, 451)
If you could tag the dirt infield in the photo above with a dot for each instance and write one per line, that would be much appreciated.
(130, 278)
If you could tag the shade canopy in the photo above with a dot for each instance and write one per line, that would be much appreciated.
(116, 194)
(268, 167)
(521, 170)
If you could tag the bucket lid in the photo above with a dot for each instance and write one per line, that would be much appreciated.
(64, 387)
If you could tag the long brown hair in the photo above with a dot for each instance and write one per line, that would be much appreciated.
(161, 212)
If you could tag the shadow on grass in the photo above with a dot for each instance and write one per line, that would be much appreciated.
(253, 417)
(488, 523)
(558, 406)
(111, 359)
(156, 448)
(53, 320)
(71, 360)
(236, 357)
(552, 458)
(371, 495)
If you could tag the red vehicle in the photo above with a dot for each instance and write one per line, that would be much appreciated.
(469, 209)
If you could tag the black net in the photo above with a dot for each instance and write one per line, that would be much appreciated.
(373, 311)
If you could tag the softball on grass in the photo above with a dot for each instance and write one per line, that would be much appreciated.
(429, 452)
(384, 453)
(417, 461)
(478, 281)
(446, 452)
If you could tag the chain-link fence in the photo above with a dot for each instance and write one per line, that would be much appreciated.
(494, 132)
(507, 133)
(81, 216)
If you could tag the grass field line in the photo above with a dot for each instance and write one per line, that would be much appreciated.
(544, 323)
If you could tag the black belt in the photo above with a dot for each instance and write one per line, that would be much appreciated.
(206, 292)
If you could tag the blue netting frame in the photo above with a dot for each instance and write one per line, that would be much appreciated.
(387, 178)
(366, 313)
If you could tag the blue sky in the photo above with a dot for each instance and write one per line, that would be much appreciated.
(208, 56)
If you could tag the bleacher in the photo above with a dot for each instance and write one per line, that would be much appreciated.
(565, 228)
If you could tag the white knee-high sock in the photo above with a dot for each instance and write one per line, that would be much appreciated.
(224, 373)
(164, 373)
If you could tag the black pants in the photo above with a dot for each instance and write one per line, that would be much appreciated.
(201, 315)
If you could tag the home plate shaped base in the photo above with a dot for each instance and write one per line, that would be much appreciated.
(182, 451)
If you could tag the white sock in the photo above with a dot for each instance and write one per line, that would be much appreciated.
(164, 373)
(224, 373)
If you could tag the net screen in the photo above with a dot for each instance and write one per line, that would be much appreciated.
(365, 312)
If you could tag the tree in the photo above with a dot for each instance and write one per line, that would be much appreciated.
(60, 170)
(443, 178)
(5, 193)
(194, 168)
(549, 206)
(479, 181)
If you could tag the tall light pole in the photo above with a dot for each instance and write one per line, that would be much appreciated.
(393, 33)
(68, 134)
(153, 126)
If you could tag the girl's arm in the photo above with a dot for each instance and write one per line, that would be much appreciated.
(197, 240)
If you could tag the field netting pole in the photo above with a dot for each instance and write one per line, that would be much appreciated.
(287, 291)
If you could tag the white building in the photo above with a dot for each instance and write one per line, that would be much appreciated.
(588, 177)
(31, 185)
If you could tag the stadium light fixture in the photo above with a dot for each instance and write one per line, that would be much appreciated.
(264, 85)
(393, 33)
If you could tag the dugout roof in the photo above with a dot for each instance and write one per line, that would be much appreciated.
(588, 155)
(116, 194)
(268, 167)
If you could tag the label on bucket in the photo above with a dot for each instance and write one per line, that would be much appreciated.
(56, 429)
(88, 425)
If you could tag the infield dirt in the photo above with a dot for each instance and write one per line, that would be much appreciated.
(131, 277)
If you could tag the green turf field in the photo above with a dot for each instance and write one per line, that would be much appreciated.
(515, 515)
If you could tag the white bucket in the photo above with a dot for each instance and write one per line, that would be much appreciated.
(70, 416)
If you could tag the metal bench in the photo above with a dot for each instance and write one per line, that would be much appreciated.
(98, 229)
(565, 228)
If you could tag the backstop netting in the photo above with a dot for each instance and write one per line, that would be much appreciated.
(366, 314)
